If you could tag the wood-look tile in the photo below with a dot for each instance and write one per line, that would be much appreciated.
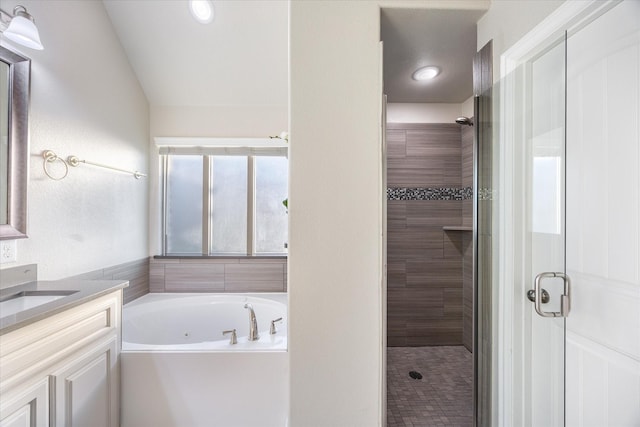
(405, 302)
(434, 336)
(254, 272)
(452, 171)
(137, 287)
(396, 326)
(165, 260)
(438, 140)
(467, 292)
(156, 277)
(396, 274)
(254, 286)
(452, 244)
(395, 341)
(435, 273)
(436, 213)
(414, 243)
(194, 277)
(206, 261)
(467, 157)
(396, 143)
(415, 172)
(258, 260)
(128, 270)
(467, 212)
(453, 303)
(396, 214)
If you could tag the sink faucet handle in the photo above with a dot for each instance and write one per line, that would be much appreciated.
(234, 336)
(273, 329)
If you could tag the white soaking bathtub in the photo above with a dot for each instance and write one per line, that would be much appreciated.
(179, 371)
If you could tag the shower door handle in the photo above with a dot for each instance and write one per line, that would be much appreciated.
(565, 299)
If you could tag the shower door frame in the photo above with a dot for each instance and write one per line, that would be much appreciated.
(510, 408)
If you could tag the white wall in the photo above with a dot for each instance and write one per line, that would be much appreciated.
(507, 21)
(335, 263)
(398, 112)
(85, 101)
(335, 215)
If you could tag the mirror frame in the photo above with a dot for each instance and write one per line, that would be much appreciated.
(18, 153)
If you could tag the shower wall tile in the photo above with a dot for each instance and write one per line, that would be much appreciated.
(467, 173)
(435, 213)
(434, 140)
(396, 214)
(435, 273)
(396, 143)
(452, 241)
(467, 291)
(414, 243)
(423, 155)
(226, 274)
(424, 263)
(396, 274)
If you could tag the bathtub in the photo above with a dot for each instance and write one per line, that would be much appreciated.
(178, 370)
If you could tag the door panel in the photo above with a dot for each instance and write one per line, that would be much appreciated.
(544, 219)
(603, 219)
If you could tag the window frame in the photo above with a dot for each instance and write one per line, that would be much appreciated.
(278, 149)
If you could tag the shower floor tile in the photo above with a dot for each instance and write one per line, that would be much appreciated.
(443, 397)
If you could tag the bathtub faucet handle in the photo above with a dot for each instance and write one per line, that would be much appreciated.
(234, 336)
(273, 329)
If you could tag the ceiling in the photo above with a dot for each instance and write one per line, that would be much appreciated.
(415, 38)
(241, 58)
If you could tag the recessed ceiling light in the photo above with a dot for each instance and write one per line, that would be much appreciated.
(425, 73)
(202, 10)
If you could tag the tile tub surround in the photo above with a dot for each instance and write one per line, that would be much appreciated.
(427, 191)
(136, 272)
(218, 274)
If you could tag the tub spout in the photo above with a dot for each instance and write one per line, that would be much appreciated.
(253, 324)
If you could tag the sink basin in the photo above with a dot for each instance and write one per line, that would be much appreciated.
(21, 301)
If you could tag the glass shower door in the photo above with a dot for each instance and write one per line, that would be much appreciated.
(546, 286)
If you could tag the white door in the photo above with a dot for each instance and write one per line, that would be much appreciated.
(603, 220)
(575, 360)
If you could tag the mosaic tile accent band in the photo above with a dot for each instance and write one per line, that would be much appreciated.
(429, 193)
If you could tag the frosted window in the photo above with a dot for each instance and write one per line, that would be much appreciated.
(184, 205)
(228, 188)
(270, 214)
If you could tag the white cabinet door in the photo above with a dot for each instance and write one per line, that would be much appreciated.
(86, 387)
(28, 407)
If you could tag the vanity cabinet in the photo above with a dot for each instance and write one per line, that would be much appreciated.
(64, 370)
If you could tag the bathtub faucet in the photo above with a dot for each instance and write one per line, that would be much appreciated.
(253, 324)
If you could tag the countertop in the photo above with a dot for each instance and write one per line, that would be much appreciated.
(84, 291)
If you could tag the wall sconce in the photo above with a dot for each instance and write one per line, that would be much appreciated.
(20, 28)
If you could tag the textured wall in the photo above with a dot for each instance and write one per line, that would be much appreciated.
(85, 101)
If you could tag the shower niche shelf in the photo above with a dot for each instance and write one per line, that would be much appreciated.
(457, 228)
